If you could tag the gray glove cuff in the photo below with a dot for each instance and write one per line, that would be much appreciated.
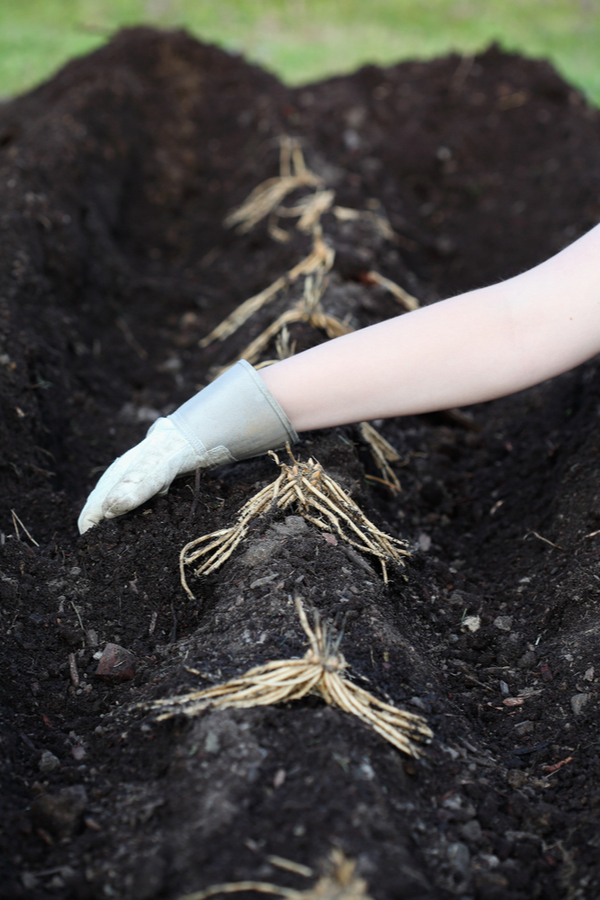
(233, 418)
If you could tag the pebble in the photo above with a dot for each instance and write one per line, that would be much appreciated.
(546, 673)
(528, 660)
(116, 664)
(471, 830)
(423, 542)
(459, 858)
(292, 525)
(60, 814)
(211, 743)
(48, 762)
(471, 623)
(525, 727)
(503, 623)
(578, 702)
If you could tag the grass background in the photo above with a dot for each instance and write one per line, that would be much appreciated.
(304, 40)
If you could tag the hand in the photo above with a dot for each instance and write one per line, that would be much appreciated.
(233, 418)
(141, 473)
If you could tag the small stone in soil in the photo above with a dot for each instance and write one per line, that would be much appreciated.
(116, 664)
(578, 702)
(48, 762)
(60, 814)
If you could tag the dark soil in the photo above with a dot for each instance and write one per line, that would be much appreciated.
(115, 178)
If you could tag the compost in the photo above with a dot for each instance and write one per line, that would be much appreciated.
(116, 178)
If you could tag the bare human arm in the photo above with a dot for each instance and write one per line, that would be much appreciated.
(468, 349)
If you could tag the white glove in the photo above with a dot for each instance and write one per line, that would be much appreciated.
(233, 418)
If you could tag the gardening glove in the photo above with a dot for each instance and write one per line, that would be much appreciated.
(233, 418)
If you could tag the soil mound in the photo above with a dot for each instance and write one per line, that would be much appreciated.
(115, 181)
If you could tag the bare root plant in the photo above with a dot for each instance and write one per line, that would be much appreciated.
(307, 309)
(320, 257)
(266, 197)
(265, 201)
(339, 882)
(320, 671)
(319, 500)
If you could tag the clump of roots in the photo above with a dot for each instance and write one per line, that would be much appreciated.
(319, 499)
(320, 671)
(308, 309)
(319, 259)
(265, 199)
(339, 882)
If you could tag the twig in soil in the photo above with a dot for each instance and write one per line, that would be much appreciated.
(403, 297)
(340, 882)
(192, 512)
(16, 519)
(173, 635)
(130, 338)
(545, 540)
(320, 671)
(550, 770)
(73, 670)
(383, 453)
(290, 866)
(320, 257)
(319, 499)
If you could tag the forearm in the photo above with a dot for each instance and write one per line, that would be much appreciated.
(475, 347)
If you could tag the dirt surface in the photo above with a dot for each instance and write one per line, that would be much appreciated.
(115, 178)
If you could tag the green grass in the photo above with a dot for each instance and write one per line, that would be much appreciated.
(304, 40)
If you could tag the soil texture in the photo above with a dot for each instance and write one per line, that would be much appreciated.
(115, 180)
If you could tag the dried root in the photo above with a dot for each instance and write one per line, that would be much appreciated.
(320, 671)
(319, 500)
(266, 198)
(340, 882)
(383, 453)
(405, 299)
(308, 309)
(321, 257)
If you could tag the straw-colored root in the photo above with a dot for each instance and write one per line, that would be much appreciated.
(266, 197)
(339, 882)
(320, 258)
(318, 498)
(383, 454)
(403, 297)
(320, 671)
(308, 309)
